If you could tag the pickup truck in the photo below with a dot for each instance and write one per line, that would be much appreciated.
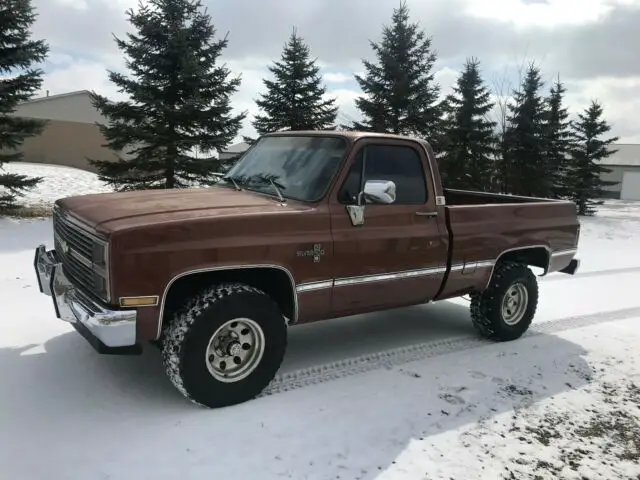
(305, 226)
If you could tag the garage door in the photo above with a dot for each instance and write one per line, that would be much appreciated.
(630, 186)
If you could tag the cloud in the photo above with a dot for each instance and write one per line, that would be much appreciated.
(619, 99)
(337, 77)
(592, 44)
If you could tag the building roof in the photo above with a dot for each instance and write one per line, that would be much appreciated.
(627, 154)
(237, 148)
(56, 97)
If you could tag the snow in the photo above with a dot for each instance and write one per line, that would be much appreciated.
(407, 394)
(57, 182)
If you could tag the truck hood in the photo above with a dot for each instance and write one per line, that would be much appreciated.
(107, 212)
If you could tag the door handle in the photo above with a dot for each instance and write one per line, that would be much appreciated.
(427, 214)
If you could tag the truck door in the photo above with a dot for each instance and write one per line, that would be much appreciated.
(397, 257)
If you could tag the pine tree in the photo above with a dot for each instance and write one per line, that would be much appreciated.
(559, 140)
(525, 150)
(400, 91)
(586, 185)
(295, 98)
(469, 145)
(179, 100)
(19, 81)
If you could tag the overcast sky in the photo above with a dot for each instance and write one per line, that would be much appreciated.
(592, 44)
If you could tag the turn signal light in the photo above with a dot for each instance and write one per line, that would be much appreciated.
(139, 301)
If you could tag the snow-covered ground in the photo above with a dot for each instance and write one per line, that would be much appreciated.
(56, 182)
(408, 394)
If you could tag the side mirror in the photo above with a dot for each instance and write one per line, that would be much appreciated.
(375, 191)
(380, 191)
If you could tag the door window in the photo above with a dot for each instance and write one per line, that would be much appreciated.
(402, 165)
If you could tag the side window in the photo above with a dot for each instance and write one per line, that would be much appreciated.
(401, 165)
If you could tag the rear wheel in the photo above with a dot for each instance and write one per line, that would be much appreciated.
(505, 310)
(225, 346)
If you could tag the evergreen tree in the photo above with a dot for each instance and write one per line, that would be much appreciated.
(586, 184)
(525, 166)
(179, 100)
(469, 144)
(295, 98)
(400, 91)
(19, 81)
(559, 140)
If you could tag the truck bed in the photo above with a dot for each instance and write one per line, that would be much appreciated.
(483, 227)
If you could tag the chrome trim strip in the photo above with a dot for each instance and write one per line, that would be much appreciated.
(220, 269)
(550, 254)
(314, 286)
(348, 281)
(458, 267)
(485, 264)
(528, 247)
(564, 252)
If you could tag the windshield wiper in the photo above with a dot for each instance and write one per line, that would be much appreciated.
(277, 189)
(277, 186)
(225, 177)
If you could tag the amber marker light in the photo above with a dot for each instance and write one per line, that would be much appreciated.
(139, 301)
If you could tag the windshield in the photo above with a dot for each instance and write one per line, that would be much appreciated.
(298, 167)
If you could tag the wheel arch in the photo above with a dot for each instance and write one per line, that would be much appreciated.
(275, 280)
(531, 255)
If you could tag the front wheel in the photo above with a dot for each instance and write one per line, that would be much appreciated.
(225, 346)
(505, 310)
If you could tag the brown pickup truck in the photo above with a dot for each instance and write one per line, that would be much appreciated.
(306, 226)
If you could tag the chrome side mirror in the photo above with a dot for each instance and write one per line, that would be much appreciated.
(375, 191)
(380, 191)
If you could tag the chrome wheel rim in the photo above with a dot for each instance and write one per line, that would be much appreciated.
(235, 350)
(514, 304)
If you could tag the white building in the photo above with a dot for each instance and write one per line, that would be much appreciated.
(625, 171)
(70, 136)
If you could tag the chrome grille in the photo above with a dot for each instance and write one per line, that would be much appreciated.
(75, 248)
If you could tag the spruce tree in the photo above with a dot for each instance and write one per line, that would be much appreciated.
(20, 79)
(469, 144)
(525, 149)
(559, 140)
(400, 91)
(295, 98)
(586, 184)
(179, 100)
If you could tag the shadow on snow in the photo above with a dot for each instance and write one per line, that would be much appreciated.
(90, 413)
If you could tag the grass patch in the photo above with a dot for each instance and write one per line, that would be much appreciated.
(28, 211)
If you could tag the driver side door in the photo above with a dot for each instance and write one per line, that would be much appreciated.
(397, 257)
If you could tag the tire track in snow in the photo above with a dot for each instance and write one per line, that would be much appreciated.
(399, 356)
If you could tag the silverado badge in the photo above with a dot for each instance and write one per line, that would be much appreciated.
(316, 252)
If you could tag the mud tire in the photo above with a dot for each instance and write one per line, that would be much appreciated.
(487, 313)
(187, 337)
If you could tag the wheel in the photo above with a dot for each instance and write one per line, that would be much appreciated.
(225, 346)
(505, 310)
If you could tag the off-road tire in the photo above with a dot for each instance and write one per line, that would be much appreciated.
(486, 307)
(187, 336)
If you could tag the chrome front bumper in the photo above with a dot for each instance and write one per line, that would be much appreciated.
(104, 328)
